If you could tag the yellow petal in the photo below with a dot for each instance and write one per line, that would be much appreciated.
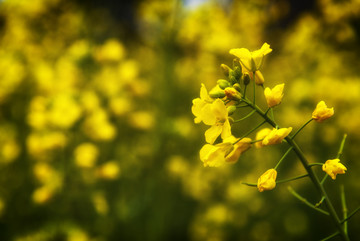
(226, 129)
(219, 110)
(244, 55)
(212, 133)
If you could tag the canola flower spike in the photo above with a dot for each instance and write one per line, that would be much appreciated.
(218, 117)
(322, 112)
(276, 136)
(226, 152)
(334, 167)
(252, 61)
(201, 107)
(274, 96)
(267, 181)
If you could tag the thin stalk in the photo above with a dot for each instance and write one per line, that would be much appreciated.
(350, 215)
(245, 117)
(344, 208)
(316, 164)
(341, 146)
(249, 132)
(254, 86)
(293, 136)
(311, 173)
(306, 202)
(331, 236)
(283, 157)
(292, 179)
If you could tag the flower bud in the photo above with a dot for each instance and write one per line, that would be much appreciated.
(246, 79)
(232, 78)
(223, 83)
(231, 109)
(216, 92)
(237, 87)
(237, 72)
(274, 96)
(267, 181)
(226, 69)
(232, 94)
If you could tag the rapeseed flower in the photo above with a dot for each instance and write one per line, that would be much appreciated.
(276, 136)
(333, 167)
(274, 96)
(252, 61)
(321, 112)
(201, 107)
(218, 118)
(267, 181)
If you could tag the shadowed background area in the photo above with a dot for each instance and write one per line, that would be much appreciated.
(97, 138)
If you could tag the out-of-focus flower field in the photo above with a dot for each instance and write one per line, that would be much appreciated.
(97, 138)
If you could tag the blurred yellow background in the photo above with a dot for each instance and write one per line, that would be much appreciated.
(97, 139)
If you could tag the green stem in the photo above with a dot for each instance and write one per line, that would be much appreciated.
(249, 132)
(341, 146)
(302, 199)
(283, 157)
(292, 179)
(316, 164)
(331, 236)
(293, 136)
(311, 173)
(247, 116)
(320, 202)
(324, 179)
(350, 215)
(344, 208)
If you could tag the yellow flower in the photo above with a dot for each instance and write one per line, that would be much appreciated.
(201, 107)
(226, 152)
(276, 136)
(274, 96)
(252, 61)
(239, 148)
(261, 135)
(214, 155)
(218, 118)
(267, 181)
(333, 167)
(321, 112)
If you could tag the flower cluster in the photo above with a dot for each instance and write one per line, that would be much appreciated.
(218, 107)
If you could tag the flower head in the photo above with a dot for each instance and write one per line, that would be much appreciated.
(321, 112)
(226, 152)
(217, 117)
(274, 96)
(201, 107)
(276, 136)
(267, 181)
(252, 61)
(333, 167)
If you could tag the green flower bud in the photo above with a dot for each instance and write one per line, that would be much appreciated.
(223, 83)
(232, 78)
(236, 63)
(231, 109)
(226, 69)
(246, 79)
(237, 72)
(237, 87)
(217, 92)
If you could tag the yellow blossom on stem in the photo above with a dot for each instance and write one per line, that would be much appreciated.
(274, 96)
(267, 181)
(226, 152)
(201, 107)
(218, 118)
(252, 61)
(333, 167)
(276, 136)
(321, 112)
(239, 148)
(261, 135)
